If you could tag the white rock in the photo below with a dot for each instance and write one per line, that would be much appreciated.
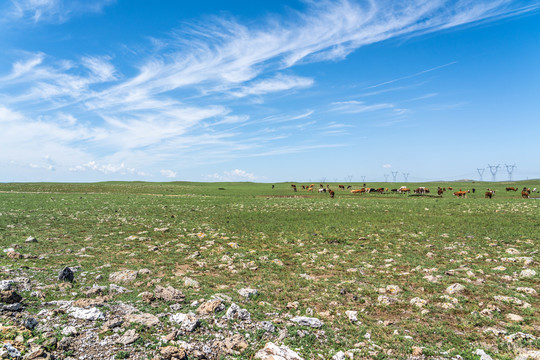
(188, 321)
(235, 312)
(527, 273)
(273, 352)
(526, 290)
(248, 293)
(69, 330)
(12, 352)
(418, 302)
(189, 282)
(514, 317)
(483, 355)
(339, 356)
(352, 315)
(91, 314)
(528, 355)
(307, 321)
(6, 285)
(454, 288)
(512, 251)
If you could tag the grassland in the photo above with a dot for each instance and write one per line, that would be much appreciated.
(306, 254)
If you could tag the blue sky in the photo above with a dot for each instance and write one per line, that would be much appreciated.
(268, 91)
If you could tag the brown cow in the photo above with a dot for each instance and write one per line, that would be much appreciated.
(332, 193)
(461, 193)
(511, 188)
(341, 187)
(489, 193)
(440, 191)
(359, 191)
(525, 193)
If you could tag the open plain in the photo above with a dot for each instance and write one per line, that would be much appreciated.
(244, 270)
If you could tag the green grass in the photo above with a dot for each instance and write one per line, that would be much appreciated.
(249, 235)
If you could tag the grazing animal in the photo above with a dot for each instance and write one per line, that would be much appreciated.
(440, 191)
(511, 188)
(525, 193)
(341, 187)
(359, 191)
(322, 190)
(394, 190)
(450, 188)
(348, 187)
(293, 186)
(489, 193)
(332, 193)
(461, 193)
(380, 190)
(403, 189)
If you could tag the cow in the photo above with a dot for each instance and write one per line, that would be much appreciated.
(394, 190)
(461, 193)
(341, 187)
(525, 193)
(359, 191)
(403, 189)
(332, 193)
(440, 191)
(323, 190)
(421, 190)
(348, 187)
(293, 185)
(450, 188)
(489, 194)
(380, 190)
(511, 188)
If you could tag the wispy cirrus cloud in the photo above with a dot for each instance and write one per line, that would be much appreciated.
(54, 11)
(177, 101)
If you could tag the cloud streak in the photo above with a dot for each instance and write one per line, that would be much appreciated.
(182, 97)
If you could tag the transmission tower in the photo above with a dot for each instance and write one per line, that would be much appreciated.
(323, 179)
(493, 169)
(394, 175)
(349, 178)
(510, 170)
(386, 177)
(406, 176)
(481, 173)
(363, 179)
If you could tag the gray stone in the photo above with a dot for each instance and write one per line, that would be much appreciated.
(188, 321)
(9, 297)
(69, 331)
(6, 285)
(307, 321)
(339, 356)
(129, 337)
(235, 312)
(91, 314)
(483, 355)
(12, 307)
(146, 319)
(124, 276)
(248, 293)
(267, 326)
(30, 323)
(168, 294)
(12, 352)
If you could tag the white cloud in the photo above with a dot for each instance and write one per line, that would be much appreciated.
(168, 174)
(52, 11)
(173, 108)
(121, 169)
(233, 175)
(356, 107)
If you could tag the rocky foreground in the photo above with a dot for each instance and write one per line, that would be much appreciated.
(97, 326)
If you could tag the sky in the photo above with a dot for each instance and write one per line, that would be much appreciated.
(269, 91)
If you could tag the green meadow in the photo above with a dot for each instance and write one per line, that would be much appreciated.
(390, 257)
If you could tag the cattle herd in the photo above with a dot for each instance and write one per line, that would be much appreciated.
(489, 194)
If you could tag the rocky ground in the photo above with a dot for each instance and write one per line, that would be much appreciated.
(97, 326)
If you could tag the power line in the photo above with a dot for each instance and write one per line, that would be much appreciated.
(481, 173)
(510, 170)
(493, 169)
